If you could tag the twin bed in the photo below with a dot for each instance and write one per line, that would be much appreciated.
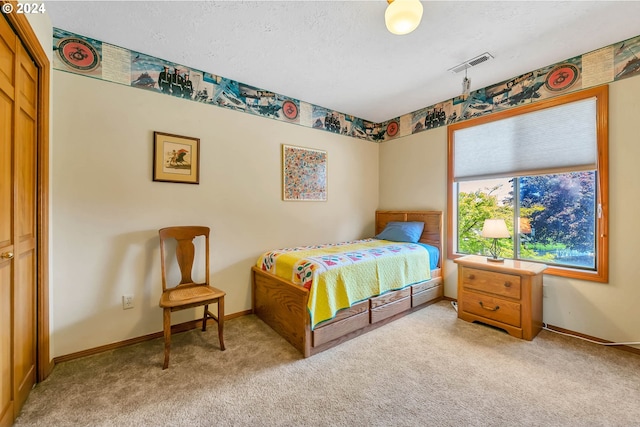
(317, 297)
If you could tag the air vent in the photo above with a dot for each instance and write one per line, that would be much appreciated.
(471, 62)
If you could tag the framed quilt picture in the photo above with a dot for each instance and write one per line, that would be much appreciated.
(304, 174)
(176, 158)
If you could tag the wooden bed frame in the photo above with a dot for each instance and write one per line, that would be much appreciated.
(283, 305)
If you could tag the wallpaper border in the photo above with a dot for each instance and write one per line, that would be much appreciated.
(82, 55)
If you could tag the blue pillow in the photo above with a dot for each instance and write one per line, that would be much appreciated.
(402, 231)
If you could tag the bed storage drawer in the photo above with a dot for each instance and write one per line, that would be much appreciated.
(356, 308)
(427, 284)
(338, 328)
(430, 294)
(390, 296)
(382, 312)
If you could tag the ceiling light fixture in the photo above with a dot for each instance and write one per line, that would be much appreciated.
(403, 16)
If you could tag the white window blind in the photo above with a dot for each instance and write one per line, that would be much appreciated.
(552, 140)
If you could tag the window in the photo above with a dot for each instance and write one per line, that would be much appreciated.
(543, 168)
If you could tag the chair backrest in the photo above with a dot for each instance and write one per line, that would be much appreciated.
(185, 251)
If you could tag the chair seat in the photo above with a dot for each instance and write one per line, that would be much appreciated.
(189, 294)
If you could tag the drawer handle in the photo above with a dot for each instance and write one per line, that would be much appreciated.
(507, 284)
(7, 255)
(489, 309)
(471, 276)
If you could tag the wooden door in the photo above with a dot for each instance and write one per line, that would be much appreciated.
(18, 223)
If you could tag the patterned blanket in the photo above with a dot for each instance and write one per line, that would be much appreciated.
(341, 274)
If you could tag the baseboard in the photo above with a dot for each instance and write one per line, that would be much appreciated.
(180, 327)
(578, 334)
(193, 324)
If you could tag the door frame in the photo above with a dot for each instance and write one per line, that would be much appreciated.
(31, 43)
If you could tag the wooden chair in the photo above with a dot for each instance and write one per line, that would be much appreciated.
(188, 294)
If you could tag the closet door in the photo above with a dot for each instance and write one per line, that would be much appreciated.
(18, 225)
(7, 84)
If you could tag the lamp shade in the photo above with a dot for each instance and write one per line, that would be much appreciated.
(403, 16)
(495, 228)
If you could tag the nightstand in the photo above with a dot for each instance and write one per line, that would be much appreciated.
(507, 295)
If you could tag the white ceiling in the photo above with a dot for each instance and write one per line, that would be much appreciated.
(339, 55)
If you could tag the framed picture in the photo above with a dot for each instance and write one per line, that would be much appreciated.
(304, 174)
(176, 158)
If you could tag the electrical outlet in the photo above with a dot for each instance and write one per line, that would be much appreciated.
(127, 302)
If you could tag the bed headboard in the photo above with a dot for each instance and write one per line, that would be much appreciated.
(432, 233)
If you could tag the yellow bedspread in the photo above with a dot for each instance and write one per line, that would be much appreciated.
(342, 274)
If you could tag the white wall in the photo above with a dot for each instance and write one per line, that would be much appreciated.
(41, 25)
(413, 175)
(106, 209)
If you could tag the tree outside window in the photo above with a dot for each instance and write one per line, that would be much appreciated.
(554, 218)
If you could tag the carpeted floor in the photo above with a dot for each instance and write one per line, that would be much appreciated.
(426, 369)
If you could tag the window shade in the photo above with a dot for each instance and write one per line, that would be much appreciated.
(553, 140)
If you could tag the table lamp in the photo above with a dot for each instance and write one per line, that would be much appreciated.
(495, 229)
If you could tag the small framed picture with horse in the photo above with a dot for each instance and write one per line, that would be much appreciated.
(176, 158)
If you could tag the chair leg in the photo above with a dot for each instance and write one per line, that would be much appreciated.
(221, 321)
(204, 318)
(167, 336)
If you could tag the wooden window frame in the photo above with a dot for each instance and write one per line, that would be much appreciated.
(601, 93)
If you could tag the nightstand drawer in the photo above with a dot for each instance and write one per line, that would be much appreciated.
(491, 308)
(507, 285)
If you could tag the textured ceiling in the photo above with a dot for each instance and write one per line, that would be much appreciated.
(339, 55)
